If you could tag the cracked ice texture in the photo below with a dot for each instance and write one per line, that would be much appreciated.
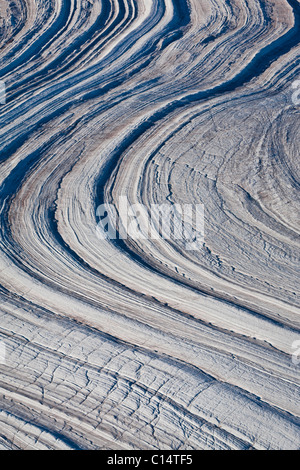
(142, 344)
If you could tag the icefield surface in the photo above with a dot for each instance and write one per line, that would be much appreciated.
(138, 339)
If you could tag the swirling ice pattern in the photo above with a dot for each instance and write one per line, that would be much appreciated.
(142, 345)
